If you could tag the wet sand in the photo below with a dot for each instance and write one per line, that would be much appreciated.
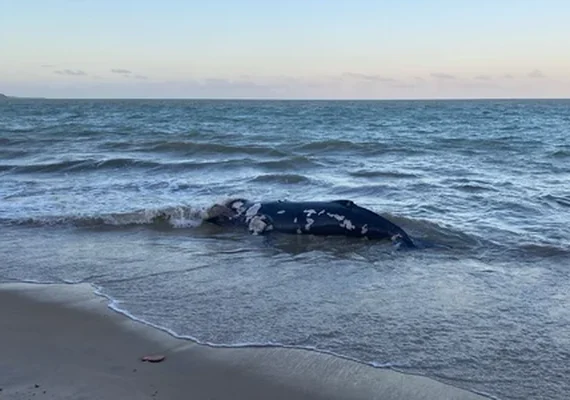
(63, 342)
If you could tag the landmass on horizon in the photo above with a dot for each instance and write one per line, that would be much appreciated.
(6, 97)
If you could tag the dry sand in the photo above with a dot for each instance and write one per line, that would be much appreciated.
(63, 342)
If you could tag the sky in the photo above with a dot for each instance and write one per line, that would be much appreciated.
(353, 49)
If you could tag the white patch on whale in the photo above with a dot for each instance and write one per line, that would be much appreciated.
(309, 212)
(281, 212)
(364, 229)
(321, 212)
(253, 210)
(347, 224)
(295, 220)
(258, 224)
(299, 231)
(237, 204)
(310, 222)
(396, 238)
(338, 217)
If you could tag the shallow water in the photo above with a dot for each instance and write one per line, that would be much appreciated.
(485, 182)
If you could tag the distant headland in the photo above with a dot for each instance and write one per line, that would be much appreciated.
(6, 97)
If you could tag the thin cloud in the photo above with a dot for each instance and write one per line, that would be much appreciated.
(367, 77)
(536, 74)
(441, 75)
(483, 78)
(403, 85)
(141, 77)
(70, 72)
(508, 76)
(48, 66)
(121, 71)
(480, 84)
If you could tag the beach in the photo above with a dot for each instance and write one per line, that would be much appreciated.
(63, 342)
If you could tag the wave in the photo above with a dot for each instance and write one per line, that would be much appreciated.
(432, 234)
(557, 200)
(174, 217)
(12, 141)
(370, 173)
(188, 147)
(8, 154)
(543, 250)
(85, 165)
(561, 154)
(78, 165)
(281, 178)
(114, 304)
(474, 188)
(293, 163)
(348, 148)
(331, 144)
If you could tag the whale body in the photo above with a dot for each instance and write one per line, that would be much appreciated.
(337, 217)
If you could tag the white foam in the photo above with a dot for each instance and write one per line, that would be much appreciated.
(114, 305)
(177, 217)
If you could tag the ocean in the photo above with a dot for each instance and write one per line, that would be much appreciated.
(83, 184)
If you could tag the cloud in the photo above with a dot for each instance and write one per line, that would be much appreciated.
(367, 77)
(480, 84)
(508, 76)
(403, 85)
(121, 71)
(441, 75)
(483, 78)
(70, 72)
(536, 74)
(48, 66)
(141, 77)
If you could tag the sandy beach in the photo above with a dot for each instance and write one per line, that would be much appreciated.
(63, 342)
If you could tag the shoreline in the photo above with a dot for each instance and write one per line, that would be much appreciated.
(63, 341)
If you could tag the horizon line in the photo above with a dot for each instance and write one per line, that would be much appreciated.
(7, 97)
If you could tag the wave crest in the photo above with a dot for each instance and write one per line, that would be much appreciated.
(175, 217)
(281, 178)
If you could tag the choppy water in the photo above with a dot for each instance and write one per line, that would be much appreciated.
(81, 183)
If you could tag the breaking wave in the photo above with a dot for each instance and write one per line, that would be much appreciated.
(175, 217)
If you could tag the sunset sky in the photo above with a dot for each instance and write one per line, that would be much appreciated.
(285, 48)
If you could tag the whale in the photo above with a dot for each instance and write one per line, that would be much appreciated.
(322, 218)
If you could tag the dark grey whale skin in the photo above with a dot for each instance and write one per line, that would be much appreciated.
(327, 218)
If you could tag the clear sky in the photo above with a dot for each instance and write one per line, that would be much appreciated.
(285, 48)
